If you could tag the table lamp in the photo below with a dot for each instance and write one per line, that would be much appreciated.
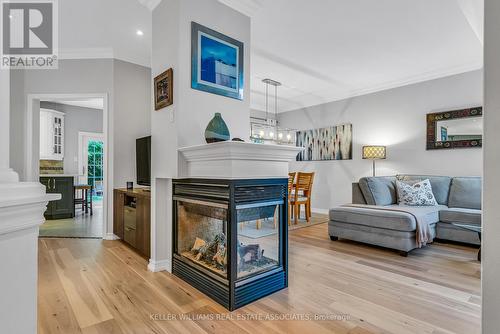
(374, 153)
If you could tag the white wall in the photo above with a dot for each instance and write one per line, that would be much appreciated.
(396, 118)
(183, 123)
(76, 119)
(131, 119)
(72, 77)
(4, 118)
(491, 183)
(129, 103)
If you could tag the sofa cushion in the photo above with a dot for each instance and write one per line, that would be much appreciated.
(379, 190)
(415, 194)
(460, 215)
(392, 220)
(465, 192)
(440, 185)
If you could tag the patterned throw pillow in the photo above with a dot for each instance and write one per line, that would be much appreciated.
(415, 193)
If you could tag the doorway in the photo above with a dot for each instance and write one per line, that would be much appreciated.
(79, 162)
(91, 162)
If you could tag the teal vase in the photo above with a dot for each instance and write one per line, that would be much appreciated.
(216, 130)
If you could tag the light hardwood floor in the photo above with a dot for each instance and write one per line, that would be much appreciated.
(94, 286)
(82, 226)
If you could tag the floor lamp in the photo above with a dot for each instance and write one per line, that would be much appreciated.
(374, 153)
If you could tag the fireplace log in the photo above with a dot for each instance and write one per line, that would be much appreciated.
(198, 243)
(248, 253)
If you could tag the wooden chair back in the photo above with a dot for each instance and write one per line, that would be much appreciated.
(304, 183)
(291, 180)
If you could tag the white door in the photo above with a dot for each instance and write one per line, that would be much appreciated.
(86, 141)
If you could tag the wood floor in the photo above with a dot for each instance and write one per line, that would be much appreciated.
(82, 226)
(94, 286)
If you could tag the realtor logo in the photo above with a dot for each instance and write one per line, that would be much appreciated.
(29, 34)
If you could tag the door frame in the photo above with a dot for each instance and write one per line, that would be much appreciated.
(32, 158)
(81, 136)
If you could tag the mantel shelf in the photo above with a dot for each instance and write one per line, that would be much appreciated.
(232, 160)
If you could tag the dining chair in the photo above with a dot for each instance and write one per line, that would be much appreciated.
(302, 195)
(291, 184)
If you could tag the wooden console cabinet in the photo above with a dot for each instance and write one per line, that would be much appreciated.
(132, 218)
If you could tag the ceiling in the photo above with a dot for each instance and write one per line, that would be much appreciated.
(105, 29)
(96, 103)
(327, 50)
(321, 50)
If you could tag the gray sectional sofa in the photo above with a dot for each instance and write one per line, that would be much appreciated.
(459, 200)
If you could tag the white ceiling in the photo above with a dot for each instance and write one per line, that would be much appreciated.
(105, 29)
(321, 50)
(85, 103)
(326, 50)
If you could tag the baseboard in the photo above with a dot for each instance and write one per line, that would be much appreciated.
(320, 211)
(316, 210)
(161, 265)
(111, 236)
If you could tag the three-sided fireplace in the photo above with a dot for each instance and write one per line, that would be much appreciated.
(230, 237)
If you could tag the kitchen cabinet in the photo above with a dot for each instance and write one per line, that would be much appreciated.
(51, 135)
(63, 208)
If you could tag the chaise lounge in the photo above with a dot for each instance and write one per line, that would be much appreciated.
(377, 219)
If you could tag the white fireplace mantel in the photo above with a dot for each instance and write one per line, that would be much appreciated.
(235, 160)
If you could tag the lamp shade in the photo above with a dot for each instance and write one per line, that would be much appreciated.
(374, 152)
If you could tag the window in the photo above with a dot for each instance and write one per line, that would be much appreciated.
(95, 167)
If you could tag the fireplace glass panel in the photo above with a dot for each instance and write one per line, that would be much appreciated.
(258, 239)
(201, 235)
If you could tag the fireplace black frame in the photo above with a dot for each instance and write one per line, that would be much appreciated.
(232, 292)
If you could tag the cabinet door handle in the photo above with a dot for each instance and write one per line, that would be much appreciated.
(53, 184)
(48, 184)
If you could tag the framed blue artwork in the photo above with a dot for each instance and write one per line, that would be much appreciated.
(216, 62)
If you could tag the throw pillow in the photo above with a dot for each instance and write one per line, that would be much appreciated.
(415, 193)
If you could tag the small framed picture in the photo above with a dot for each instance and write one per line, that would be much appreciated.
(164, 89)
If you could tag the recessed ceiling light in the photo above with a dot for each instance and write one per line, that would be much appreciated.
(10, 16)
(140, 33)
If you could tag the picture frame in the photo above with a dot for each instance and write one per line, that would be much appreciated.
(438, 139)
(164, 89)
(329, 143)
(217, 62)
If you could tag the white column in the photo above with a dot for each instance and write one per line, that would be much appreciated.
(21, 212)
(6, 174)
(491, 183)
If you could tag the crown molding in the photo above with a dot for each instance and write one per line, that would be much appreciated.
(101, 53)
(246, 7)
(423, 77)
(86, 53)
(419, 78)
(150, 4)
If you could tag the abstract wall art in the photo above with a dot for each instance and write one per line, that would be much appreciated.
(330, 143)
(216, 62)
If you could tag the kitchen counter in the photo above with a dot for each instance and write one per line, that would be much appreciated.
(59, 175)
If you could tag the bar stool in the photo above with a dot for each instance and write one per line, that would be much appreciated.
(85, 200)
